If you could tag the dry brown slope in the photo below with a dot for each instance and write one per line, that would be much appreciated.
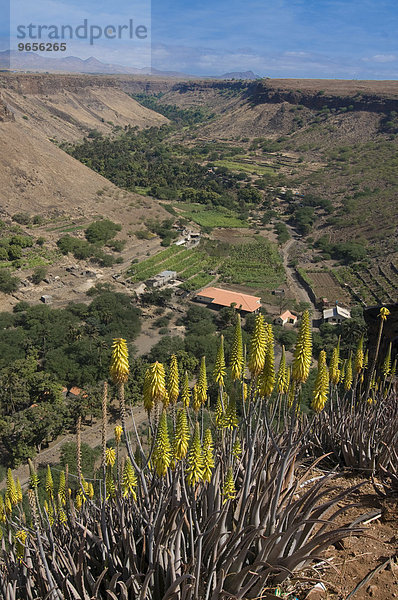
(66, 108)
(37, 177)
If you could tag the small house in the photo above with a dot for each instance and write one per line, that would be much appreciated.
(161, 279)
(278, 292)
(286, 317)
(337, 314)
(46, 299)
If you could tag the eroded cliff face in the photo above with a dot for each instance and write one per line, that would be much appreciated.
(370, 101)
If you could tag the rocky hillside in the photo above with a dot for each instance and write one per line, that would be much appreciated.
(35, 175)
(68, 107)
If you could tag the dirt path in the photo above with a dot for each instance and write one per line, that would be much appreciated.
(299, 292)
(91, 435)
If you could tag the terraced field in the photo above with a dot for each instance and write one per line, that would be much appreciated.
(192, 266)
(325, 285)
(257, 265)
(376, 285)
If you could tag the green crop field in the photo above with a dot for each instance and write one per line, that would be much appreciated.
(244, 167)
(211, 217)
(256, 264)
(188, 263)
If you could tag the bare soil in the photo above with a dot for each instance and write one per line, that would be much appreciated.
(352, 560)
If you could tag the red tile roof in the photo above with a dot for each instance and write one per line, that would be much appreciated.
(227, 297)
(287, 315)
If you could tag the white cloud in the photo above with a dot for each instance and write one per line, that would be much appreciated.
(381, 58)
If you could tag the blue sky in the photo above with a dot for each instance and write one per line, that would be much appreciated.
(351, 39)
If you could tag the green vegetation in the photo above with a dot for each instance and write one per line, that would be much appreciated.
(282, 232)
(188, 263)
(347, 252)
(182, 116)
(65, 347)
(97, 234)
(211, 217)
(257, 264)
(146, 160)
(102, 231)
(243, 166)
(8, 283)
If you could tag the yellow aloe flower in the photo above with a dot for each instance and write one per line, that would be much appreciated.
(2, 510)
(161, 456)
(359, 356)
(202, 382)
(230, 418)
(62, 488)
(384, 312)
(302, 352)
(237, 449)
(208, 456)
(181, 438)
(33, 477)
(236, 359)
(282, 385)
(156, 385)
(196, 400)
(90, 492)
(173, 380)
(348, 374)
(110, 486)
(119, 367)
(11, 489)
(20, 543)
(18, 488)
(321, 387)
(257, 347)
(49, 482)
(186, 392)
(194, 468)
(386, 367)
(267, 378)
(110, 457)
(229, 491)
(129, 480)
(219, 413)
(118, 433)
(219, 367)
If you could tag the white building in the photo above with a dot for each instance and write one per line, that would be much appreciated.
(337, 314)
(286, 317)
(161, 279)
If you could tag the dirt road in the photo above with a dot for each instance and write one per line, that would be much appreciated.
(299, 292)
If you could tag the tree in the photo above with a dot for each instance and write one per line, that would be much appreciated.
(8, 283)
(102, 231)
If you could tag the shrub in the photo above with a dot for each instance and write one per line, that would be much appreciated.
(39, 274)
(8, 283)
(101, 231)
(22, 218)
